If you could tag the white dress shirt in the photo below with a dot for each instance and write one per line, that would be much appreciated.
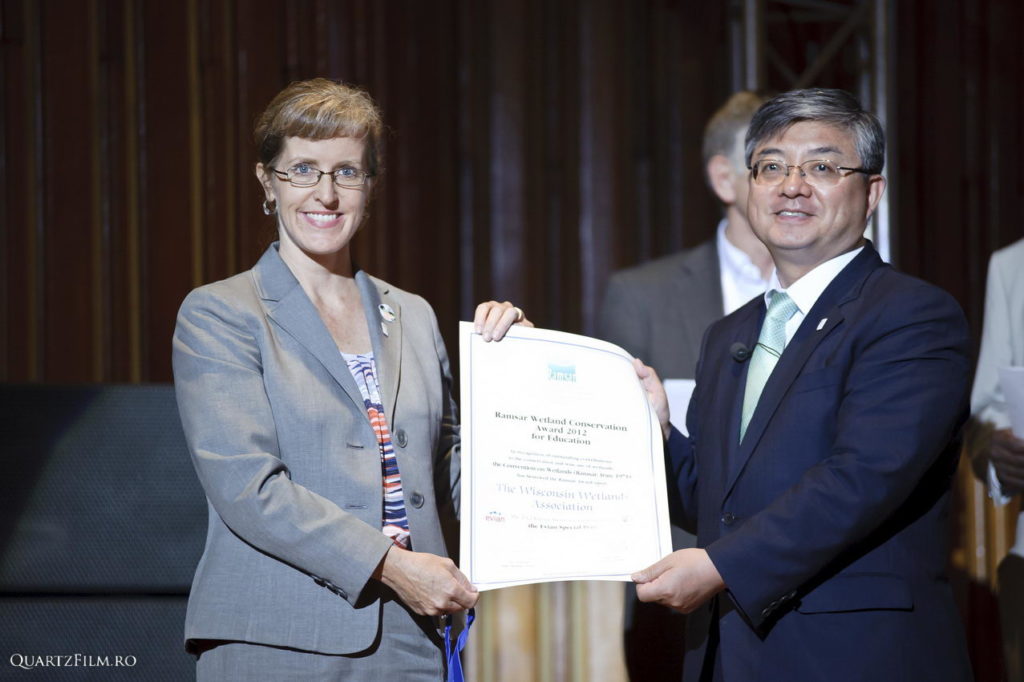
(741, 279)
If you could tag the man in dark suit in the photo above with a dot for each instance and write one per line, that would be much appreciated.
(819, 456)
(659, 312)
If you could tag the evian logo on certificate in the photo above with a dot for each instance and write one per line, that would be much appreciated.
(562, 373)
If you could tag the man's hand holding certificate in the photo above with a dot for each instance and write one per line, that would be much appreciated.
(562, 461)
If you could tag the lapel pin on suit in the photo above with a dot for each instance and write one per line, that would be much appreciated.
(821, 325)
(387, 313)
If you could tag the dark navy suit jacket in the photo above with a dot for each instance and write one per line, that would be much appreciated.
(829, 522)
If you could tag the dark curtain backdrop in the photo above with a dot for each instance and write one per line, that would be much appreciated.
(535, 147)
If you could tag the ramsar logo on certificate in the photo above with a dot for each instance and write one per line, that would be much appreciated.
(563, 473)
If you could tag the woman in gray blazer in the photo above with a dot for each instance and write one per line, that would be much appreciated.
(316, 401)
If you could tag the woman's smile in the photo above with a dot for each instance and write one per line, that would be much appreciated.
(322, 219)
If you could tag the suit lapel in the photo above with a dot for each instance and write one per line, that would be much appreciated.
(845, 287)
(289, 307)
(378, 306)
(704, 303)
(747, 327)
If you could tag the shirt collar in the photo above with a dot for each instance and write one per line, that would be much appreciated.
(806, 290)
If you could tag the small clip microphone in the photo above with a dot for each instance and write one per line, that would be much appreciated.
(739, 351)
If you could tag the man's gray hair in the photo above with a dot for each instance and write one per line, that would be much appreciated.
(829, 106)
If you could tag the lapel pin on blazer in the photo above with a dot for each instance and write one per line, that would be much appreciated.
(387, 313)
(821, 325)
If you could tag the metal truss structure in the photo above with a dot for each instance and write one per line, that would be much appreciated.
(779, 45)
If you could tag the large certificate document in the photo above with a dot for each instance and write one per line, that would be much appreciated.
(563, 474)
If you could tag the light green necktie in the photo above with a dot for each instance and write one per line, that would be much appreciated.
(770, 345)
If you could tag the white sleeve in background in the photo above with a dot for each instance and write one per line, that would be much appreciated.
(987, 400)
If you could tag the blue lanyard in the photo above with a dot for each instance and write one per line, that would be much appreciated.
(452, 652)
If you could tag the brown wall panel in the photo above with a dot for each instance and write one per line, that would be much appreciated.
(472, 150)
(99, 183)
(260, 73)
(433, 256)
(510, 140)
(167, 150)
(68, 210)
(18, 169)
(123, 180)
(218, 145)
(603, 103)
(413, 215)
(698, 67)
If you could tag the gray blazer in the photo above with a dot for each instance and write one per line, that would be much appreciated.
(659, 311)
(283, 447)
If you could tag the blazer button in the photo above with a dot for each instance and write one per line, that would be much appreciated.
(416, 500)
(728, 518)
(403, 440)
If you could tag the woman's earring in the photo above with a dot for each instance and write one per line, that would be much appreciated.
(269, 208)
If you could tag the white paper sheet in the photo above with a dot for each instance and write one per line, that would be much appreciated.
(679, 392)
(562, 461)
